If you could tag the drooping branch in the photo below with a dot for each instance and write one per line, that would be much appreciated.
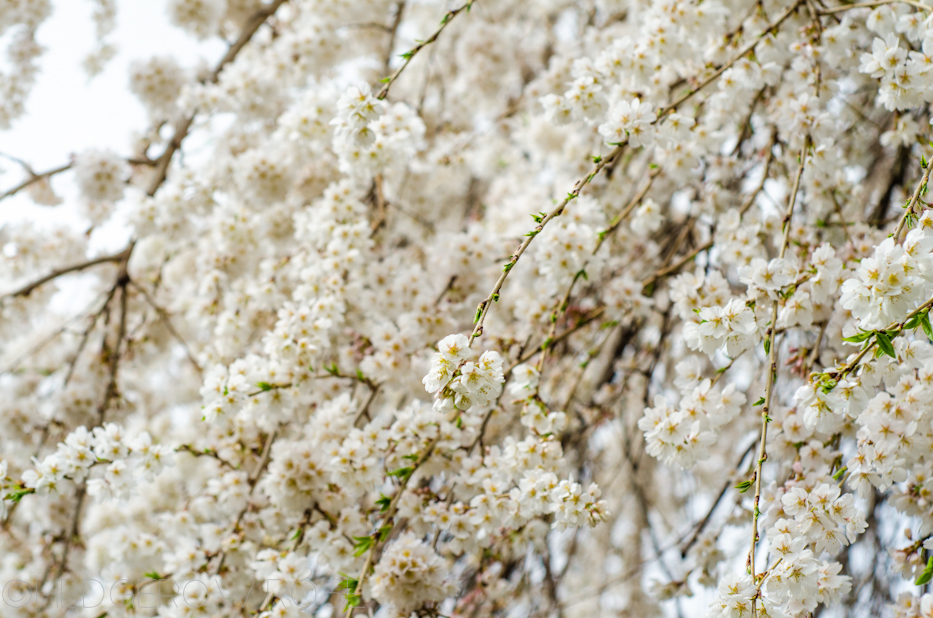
(771, 369)
(604, 161)
(411, 53)
(181, 130)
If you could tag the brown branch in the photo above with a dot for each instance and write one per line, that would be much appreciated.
(379, 201)
(921, 187)
(603, 162)
(34, 178)
(69, 537)
(163, 315)
(411, 53)
(208, 452)
(668, 270)
(113, 356)
(771, 369)
(701, 525)
(769, 158)
(364, 410)
(181, 131)
(389, 516)
(393, 31)
(86, 335)
(593, 315)
(251, 480)
(27, 289)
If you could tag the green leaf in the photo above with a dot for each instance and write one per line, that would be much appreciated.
(859, 338)
(402, 473)
(385, 80)
(767, 345)
(383, 502)
(349, 584)
(363, 543)
(264, 386)
(913, 322)
(885, 345)
(925, 323)
(927, 574)
(839, 474)
(153, 575)
(759, 402)
(353, 600)
(743, 486)
(597, 159)
(384, 533)
(18, 494)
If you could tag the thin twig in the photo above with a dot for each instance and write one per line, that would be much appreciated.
(364, 410)
(908, 212)
(771, 368)
(411, 53)
(163, 315)
(113, 355)
(27, 289)
(34, 178)
(393, 32)
(181, 131)
(602, 162)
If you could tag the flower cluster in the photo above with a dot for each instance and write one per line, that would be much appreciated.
(157, 82)
(126, 462)
(904, 73)
(681, 433)
(425, 308)
(101, 175)
(409, 574)
(459, 382)
(730, 328)
(893, 280)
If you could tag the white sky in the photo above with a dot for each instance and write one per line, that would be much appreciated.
(67, 113)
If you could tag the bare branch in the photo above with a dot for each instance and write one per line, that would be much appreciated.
(181, 131)
(34, 178)
(27, 289)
